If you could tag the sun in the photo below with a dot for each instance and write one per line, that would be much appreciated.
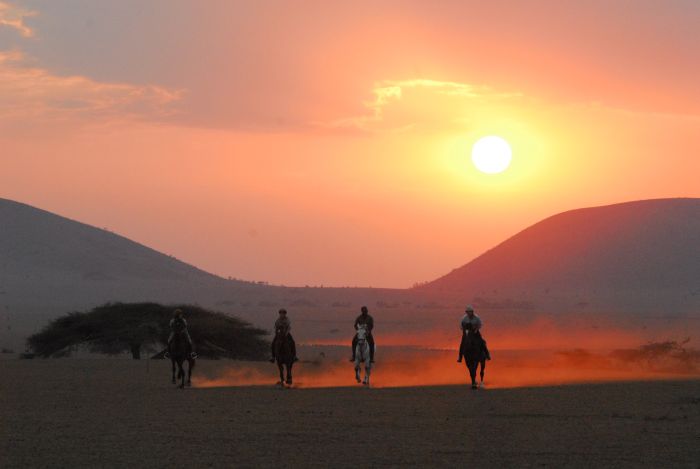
(491, 155)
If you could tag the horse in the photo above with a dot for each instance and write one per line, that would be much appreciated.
(362, 355)
(474, 355)
(284, 357)
(181, 350)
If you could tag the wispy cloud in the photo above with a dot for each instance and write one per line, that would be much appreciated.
(13, 17)
(30, 94)
(405, 104)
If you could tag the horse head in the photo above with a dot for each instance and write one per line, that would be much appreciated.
(362, 332)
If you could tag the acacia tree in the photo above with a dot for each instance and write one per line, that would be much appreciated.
(116, 328)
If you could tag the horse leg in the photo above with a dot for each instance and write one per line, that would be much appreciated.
(190, 365)
(172, 360)
(368, 370)
(357, 370)
(181, 373)
(281, 368)
(472, 373)
(289, 372)
(481, 373)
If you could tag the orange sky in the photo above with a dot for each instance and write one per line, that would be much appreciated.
(313, 143)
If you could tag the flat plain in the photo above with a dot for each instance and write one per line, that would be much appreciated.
(125, 413)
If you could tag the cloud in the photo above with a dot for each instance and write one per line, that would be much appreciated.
(33, 95)
(401, 105)
(13, 17)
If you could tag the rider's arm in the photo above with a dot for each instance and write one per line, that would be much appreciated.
(357, 320)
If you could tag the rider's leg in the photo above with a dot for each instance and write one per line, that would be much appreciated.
(483, 344)
(189, 341)
(461, 347)
(273, 347)
(370, 341)
(354, 346)
(293, 346)
(170, 339)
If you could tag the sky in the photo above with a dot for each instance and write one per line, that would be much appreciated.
(328, 143)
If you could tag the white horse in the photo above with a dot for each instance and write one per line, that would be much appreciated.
(362, 355)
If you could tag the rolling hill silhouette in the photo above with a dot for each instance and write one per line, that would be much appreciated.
(636, 256)
(50, 265)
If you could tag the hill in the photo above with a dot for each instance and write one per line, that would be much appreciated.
(636, 256)
(51, 265)
(620, 261)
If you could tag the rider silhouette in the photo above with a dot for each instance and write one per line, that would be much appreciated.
(368, 321)
(284, 325)
(178, 324)
(473, 322)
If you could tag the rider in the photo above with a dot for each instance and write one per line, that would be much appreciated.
(284, 326)
(472, 321)
(368, 321)
(178, 324)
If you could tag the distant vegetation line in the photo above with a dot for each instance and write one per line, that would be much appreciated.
(116, 328)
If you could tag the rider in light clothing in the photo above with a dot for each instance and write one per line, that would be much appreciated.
(473, 322)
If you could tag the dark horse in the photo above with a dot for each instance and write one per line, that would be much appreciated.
(284, 356)
(474, 355)
(181, 350)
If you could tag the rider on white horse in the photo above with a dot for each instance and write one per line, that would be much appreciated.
(362, 353)
(364, 319)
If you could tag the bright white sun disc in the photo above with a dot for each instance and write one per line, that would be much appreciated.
(491, 155)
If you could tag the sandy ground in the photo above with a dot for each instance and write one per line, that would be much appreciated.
(120, 413)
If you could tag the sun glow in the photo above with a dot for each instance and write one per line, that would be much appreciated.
(491, 155)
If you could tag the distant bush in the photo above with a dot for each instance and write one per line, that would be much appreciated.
(662, 355)
(135, 327)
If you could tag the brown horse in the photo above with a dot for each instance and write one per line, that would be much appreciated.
(474, 355)
(284, 357)
(181, 351)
